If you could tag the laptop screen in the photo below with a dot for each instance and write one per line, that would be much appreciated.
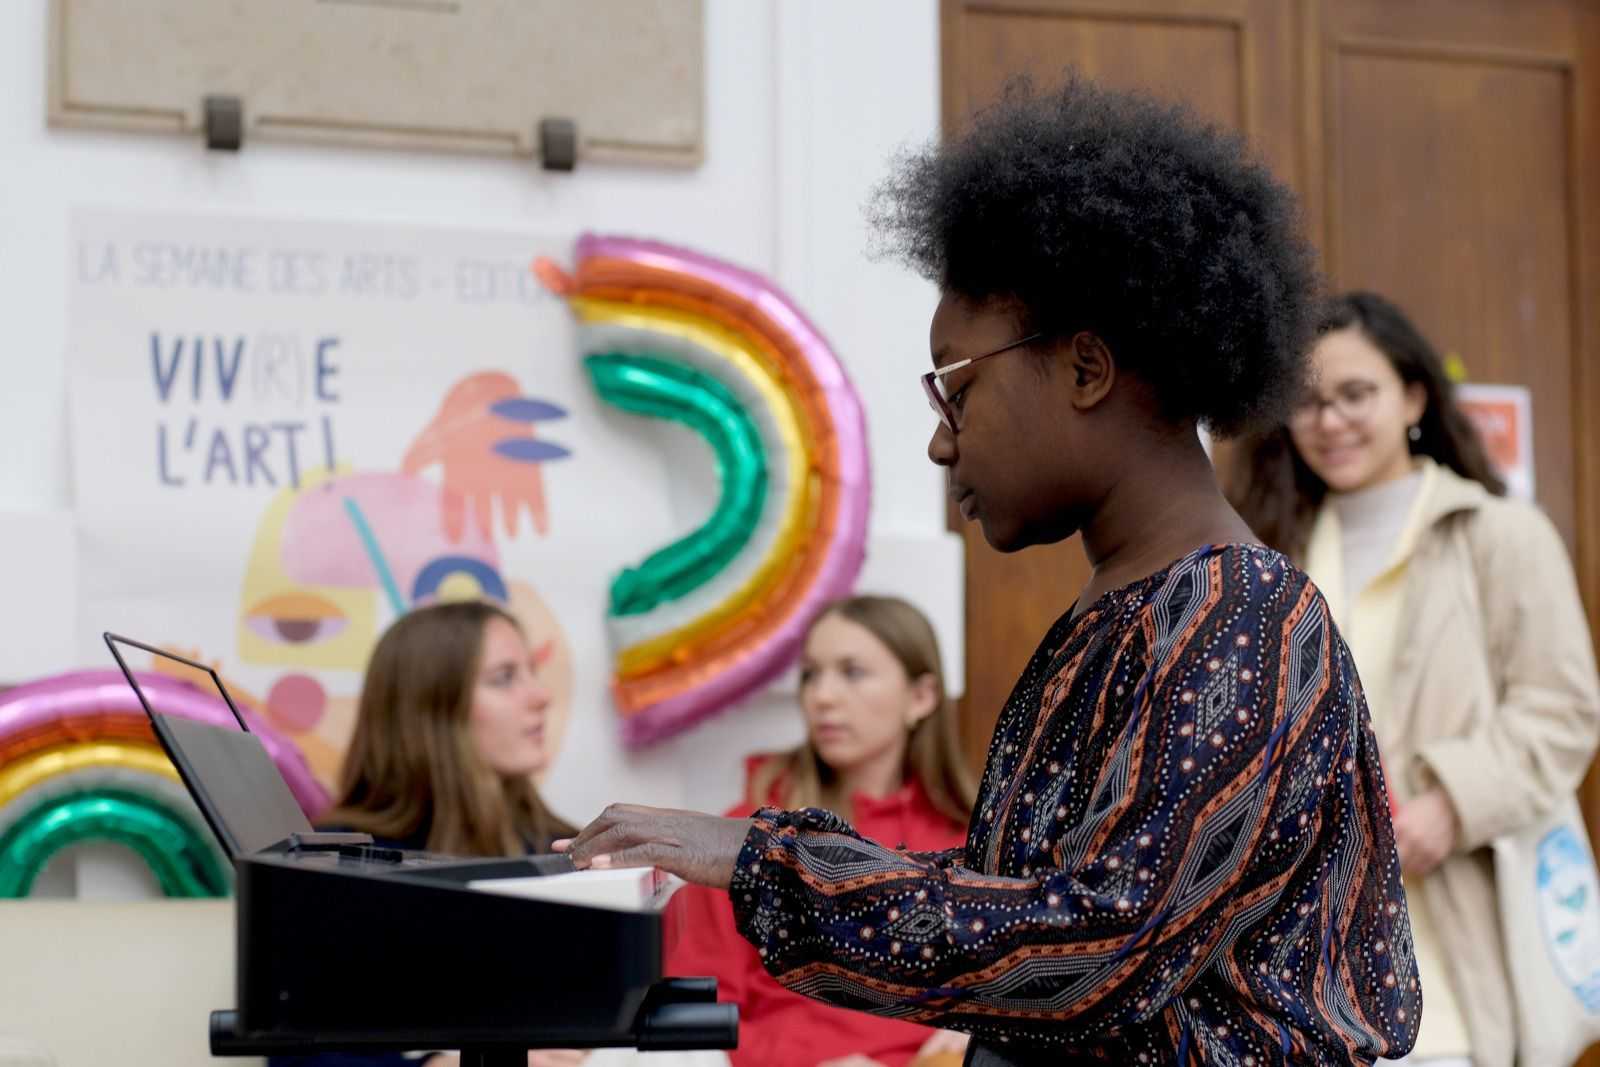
(233, 780)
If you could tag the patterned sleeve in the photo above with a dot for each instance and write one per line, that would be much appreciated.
(1107, 916)
(941, 860)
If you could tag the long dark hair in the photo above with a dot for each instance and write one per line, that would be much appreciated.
(1278, 495)
(411, 767)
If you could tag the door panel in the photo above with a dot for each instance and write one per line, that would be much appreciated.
(1447, 154)
(1229, 61)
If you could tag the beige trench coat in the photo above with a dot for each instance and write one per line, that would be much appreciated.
(1494, 696)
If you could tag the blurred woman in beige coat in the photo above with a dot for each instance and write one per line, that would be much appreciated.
(1463, 615)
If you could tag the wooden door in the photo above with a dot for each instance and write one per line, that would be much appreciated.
(1230, 60)
(1447, 147)
(1454, 168)
(1447, 153)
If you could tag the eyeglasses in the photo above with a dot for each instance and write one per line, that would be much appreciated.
(933, 381)
(1352, 401)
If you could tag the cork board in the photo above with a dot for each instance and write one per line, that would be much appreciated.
(448, 75)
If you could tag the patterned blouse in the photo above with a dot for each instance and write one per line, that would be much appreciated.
(1181, 851)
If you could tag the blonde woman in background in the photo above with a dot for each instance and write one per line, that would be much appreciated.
(1462, 612)
(882, 751)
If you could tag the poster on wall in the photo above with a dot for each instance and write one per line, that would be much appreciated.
(284, 434)
(1503, 415)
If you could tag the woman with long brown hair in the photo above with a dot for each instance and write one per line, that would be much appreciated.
(450, 732)
(881, 750)
(1272, 482)
(1462, 614)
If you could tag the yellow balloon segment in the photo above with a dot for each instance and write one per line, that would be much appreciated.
(802, 490)
(39, 767)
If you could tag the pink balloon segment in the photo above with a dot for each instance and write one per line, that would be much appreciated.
(87, 697)
(726, 679)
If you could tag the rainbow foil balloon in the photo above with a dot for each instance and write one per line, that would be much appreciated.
(671, 334)
(78, 762)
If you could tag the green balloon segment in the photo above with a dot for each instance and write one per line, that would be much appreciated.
(184, 862)
(645, 385)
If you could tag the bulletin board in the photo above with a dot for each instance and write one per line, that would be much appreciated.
(474, 76)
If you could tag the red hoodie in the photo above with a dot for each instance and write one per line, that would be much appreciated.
(778, 1028)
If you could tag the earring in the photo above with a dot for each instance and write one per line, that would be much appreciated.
(1415, 433)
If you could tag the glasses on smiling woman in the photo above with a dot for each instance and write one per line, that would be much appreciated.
(933, 385)
(1353, 402)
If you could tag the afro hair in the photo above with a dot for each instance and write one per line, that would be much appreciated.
(1111, 212)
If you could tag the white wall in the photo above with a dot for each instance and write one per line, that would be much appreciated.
(158, 970)
(806, 100)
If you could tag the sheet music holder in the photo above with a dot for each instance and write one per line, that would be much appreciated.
(343, 945)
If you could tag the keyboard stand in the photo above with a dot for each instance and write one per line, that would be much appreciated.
(678, 1014)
